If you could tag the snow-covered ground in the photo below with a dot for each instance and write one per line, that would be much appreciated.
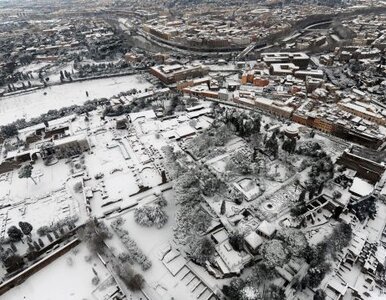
(47, 178)
(151, 241)
(48, 201)
(123, 169)
(69, 277)
(33, 104)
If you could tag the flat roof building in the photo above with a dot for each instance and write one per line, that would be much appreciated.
(170, 74)
(300, 59)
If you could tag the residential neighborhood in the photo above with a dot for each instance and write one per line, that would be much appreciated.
(193, 150)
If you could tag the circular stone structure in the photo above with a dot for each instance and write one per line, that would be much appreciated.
(291, 131)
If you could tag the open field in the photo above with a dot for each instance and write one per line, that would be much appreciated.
(69, 277)
(33, 104)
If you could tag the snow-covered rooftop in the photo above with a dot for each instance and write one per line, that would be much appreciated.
(266, 228)
(253, 240)
(361, 187)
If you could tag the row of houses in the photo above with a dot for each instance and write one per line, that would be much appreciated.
(336, 122)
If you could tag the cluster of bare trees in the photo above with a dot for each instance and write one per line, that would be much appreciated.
(134, 253)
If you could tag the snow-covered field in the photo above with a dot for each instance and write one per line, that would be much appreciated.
(69, 277)
(33, 104)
